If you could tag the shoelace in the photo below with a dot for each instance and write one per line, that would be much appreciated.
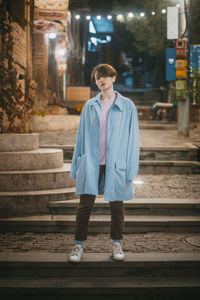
(75, 251)
(118, 249)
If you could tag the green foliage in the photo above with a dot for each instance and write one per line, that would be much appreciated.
(150, 31)
(194, 89)
(195, 18)
(11, 95)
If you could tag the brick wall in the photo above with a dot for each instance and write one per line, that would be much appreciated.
(40, 69)
(19, 51)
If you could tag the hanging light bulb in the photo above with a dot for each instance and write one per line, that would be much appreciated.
(52, 35)
(77, 17)
(163, 11)
(153, 13)
(88, 17)
(109, 17)
(98, 17)
(142, 14)
(130, 15)
(119, 17)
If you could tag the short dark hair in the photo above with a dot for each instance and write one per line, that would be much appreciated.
(103, 70)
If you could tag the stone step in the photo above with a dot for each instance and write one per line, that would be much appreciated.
(157, 125)
(51, 276)
(101, 224)
(136, 206)
(31, 202)
(157, 167)
(40, 159)
(18, 142)
(116, 288)
(169, 153)
(154, 265)
(36, 179)
(146, 153)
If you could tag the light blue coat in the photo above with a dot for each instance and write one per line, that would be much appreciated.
(122, 150)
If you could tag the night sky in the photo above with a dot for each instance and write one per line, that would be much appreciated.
(101, 5)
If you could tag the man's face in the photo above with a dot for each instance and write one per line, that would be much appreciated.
(104, 83)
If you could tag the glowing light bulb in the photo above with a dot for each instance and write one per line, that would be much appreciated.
(52, 35)
(119, 17)
(130, 15)
(109, 17)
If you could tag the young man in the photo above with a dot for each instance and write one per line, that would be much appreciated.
(106, 157)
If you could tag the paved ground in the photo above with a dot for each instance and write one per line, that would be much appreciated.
(135, 243)
(148, 138)
(167, 186)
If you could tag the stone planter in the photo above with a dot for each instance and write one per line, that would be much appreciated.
(27, 172)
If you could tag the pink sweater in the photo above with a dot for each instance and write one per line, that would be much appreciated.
(105, 107)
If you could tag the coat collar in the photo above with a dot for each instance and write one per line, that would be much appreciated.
(118, 101)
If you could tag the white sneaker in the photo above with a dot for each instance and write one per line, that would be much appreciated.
(118, 254)
(76, 254)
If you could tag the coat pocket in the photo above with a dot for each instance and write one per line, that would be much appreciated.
(120, 169)
(120, 165)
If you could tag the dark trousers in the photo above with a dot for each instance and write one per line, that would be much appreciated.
(84, 210)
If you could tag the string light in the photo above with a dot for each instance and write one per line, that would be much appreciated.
(130, 15)
(52, 35)
(121, 16)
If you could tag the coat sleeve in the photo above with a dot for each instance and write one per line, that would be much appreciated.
(133, 147)
(79, 144)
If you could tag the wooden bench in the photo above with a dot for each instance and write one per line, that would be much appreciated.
(160, 108)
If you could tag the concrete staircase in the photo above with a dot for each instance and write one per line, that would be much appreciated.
(49, 205)
(142, 215)
(158, 160)
(28, 173)
(141, 276)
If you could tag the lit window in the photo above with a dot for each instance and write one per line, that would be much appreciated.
(91, 27)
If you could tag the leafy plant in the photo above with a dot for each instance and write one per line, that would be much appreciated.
(149, 31)
(194, 89)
